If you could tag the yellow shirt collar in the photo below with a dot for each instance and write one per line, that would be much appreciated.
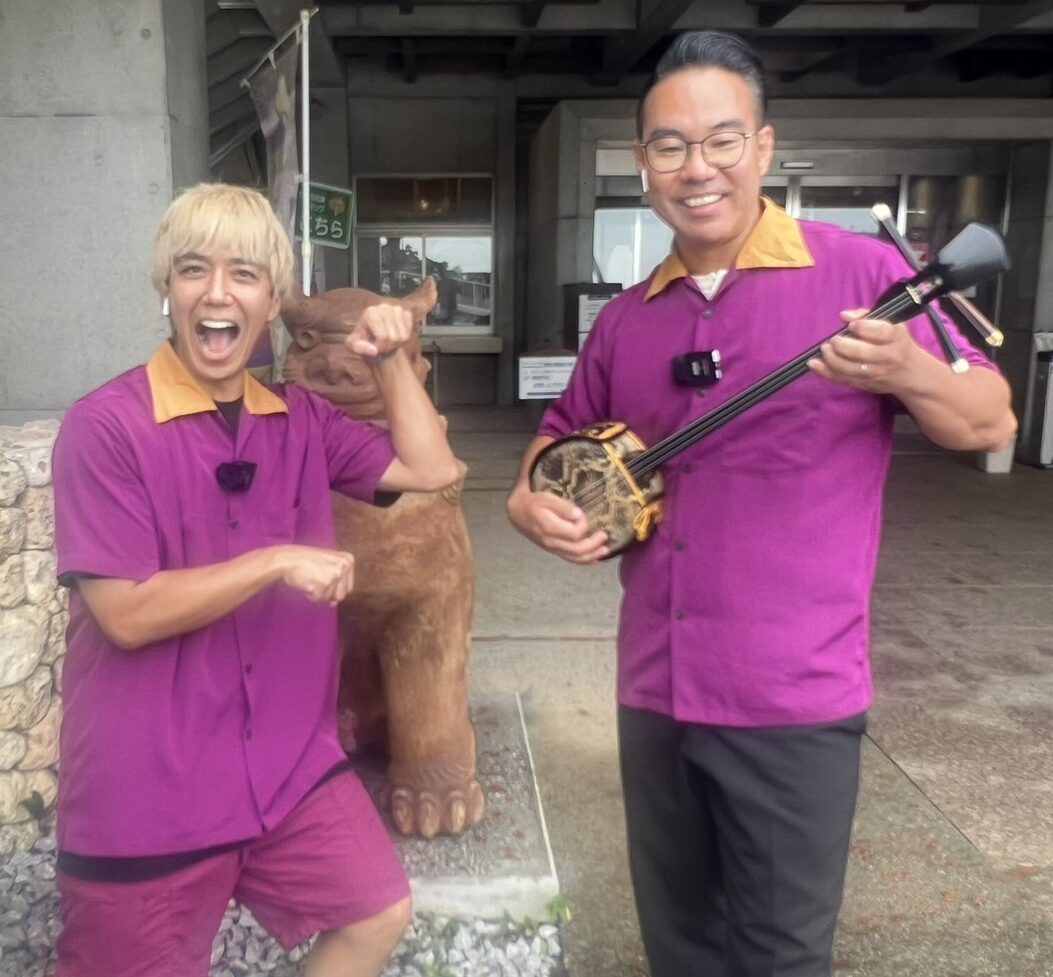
(775, 242)
(176, 393)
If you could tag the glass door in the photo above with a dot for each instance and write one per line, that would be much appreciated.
(938, 207)
(845, 202)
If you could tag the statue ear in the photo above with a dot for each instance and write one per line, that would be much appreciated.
(306, 338)
(422, 299)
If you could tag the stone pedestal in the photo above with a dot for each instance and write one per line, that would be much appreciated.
(504, 864)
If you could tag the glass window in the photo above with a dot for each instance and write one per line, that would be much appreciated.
(938, 207)
(412, 227)
(847, 206)
(627, 243)
(390, 265)
(462, 266)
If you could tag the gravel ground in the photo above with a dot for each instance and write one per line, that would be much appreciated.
(434, 947)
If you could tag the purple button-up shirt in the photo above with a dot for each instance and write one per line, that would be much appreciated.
(212, 736)
(749, 606)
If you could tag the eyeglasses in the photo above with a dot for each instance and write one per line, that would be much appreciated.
(667, 154)
(235, 476)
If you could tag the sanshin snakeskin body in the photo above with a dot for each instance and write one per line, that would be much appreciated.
(586, 468)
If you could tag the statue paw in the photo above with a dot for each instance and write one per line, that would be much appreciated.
(428, 813)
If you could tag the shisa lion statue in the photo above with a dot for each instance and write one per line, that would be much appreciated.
(406, 627)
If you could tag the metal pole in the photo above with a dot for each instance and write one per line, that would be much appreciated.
(305, 130)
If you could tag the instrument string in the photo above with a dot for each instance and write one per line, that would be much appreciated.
(768, 385)
(647, 461)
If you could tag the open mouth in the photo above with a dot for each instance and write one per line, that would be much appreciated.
(217, 337)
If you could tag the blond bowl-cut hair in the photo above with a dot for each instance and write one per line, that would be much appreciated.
(214, 217)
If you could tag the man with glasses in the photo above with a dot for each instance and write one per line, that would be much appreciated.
(743, 668)
(199, 750)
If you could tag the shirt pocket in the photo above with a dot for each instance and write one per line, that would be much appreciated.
(269, 525)
(780, 434)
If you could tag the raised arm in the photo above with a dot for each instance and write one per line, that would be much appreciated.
(961, 411)
(424, 461)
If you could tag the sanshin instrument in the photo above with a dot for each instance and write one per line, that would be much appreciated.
(608, 472)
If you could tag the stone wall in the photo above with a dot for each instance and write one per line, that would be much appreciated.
(33, 619)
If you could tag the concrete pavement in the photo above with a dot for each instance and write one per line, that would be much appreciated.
(951, 873)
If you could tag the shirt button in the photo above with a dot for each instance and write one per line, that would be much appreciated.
(248, 669)
(248, 734)
(707, 314)
(234, 523)
(678, 545)
(680, 615)
(700, 392)
(688, 468)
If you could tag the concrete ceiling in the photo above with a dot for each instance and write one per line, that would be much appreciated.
(606, 48)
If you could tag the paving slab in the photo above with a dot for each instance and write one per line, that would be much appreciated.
(951, 869)
(521, 591)
(921, 900)
(567, 689)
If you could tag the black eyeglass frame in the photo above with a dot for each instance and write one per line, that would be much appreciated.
(701, 143)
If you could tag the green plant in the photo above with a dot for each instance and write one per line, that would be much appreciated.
(560, 909)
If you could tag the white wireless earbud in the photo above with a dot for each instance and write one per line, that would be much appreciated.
(164, 306)
(644, 185)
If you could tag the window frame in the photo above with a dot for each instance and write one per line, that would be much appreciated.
(427, 229)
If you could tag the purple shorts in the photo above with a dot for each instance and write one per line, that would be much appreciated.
(328, 864)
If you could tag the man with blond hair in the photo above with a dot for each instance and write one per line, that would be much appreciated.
(199, 751)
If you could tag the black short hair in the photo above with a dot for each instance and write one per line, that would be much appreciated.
(710, 49)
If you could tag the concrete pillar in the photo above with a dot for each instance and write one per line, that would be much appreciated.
(557, 224)
(103, 114)
(563, 207)
(1027, 296)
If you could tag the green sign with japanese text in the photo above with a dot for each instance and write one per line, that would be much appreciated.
(331, 211)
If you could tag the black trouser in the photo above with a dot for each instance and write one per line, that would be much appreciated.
(738, 840)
